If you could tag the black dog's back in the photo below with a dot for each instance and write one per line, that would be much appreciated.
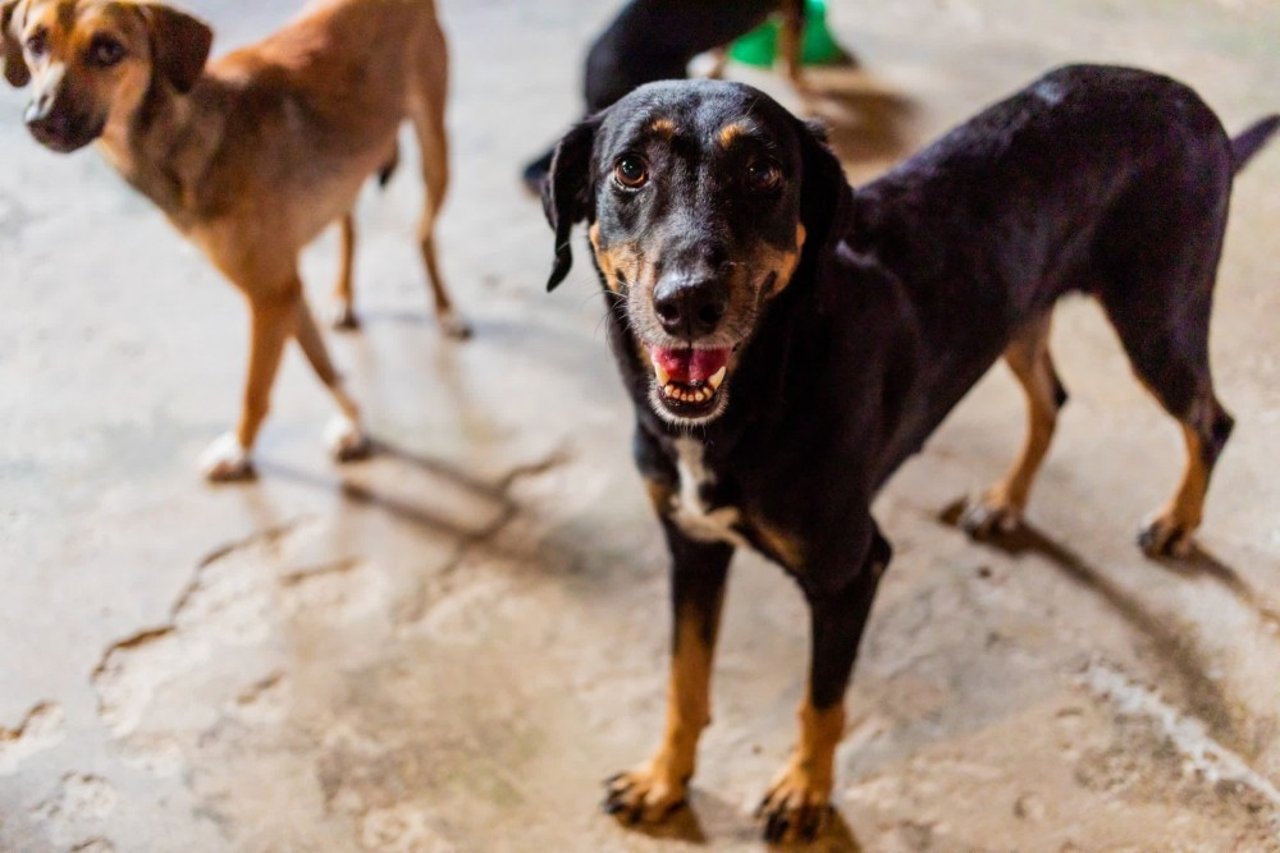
(1111, 181)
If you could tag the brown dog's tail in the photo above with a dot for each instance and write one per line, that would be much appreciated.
(389, 168)
(1244, 146)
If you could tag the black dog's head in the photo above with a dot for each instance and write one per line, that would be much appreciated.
(92, 62)
(701, 198)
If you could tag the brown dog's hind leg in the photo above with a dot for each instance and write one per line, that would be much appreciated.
(1001, 507)
(344, 313)
(653, 790)
(427, 113)
(345, 436)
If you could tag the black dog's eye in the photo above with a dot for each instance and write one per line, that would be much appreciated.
(105, 51)
(764, 175)
(36, 42)
(631, 172)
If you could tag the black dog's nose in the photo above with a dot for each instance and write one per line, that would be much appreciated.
(688, 306)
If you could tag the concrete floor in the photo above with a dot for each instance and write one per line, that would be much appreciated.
(448, 646)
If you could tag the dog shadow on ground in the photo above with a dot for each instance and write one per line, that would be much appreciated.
(868, 123)
(1170, 641)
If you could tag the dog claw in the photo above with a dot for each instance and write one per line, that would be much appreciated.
(986, 518)
(453, 326)
(639, 796)
(347, 441)
(226, 460)
(344, 317)
(1164, 537)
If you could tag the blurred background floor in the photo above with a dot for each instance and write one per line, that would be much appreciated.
(448, 646)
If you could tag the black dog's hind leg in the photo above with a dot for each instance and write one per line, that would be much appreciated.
(798, 802)
(1159, 274)
(1001, 507)
(651, 791)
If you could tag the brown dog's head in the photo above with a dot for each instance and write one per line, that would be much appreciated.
(701, 199)
(92, 62)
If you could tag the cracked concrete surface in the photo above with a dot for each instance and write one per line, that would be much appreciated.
(448, 646)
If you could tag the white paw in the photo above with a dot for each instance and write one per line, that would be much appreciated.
(343, 317)
(226, 459)
(454, 326)
(346, 440)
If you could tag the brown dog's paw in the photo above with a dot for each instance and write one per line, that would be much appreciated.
(226, 460)
(1166, 536)
(796, 807)
(989, 516)
(454, 326)
(646, 794)
(347, 441)
(344, 317)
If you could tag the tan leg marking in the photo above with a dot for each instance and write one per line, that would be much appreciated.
(650, 792)
(1001, 507)
(799, 799)
(1170, 532)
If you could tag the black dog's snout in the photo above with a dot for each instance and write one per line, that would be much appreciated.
(690, 306)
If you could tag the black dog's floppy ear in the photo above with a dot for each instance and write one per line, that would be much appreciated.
(15, 67)
(824, 191)
(566, 193)
(179, 44)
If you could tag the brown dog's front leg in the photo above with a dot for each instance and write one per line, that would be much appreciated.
(271, 324)
(651, 791)
(798, 803)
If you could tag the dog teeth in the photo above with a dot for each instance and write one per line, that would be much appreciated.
(717, 378)
(688, 395)
(664, 378)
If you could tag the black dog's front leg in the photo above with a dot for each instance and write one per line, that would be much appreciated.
(797, 804)
(654, 789)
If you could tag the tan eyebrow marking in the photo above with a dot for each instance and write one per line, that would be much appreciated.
(730, 132)
(663, 127)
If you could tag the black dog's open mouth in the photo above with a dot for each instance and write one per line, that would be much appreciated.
(688, 381)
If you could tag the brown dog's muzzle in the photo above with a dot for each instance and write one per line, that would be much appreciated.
(58, 123)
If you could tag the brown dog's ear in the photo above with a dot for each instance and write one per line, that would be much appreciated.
(566, 193)
(179, 44)
(15, 67)
(824, 191)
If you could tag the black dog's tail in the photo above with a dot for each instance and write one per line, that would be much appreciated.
(1244, 146)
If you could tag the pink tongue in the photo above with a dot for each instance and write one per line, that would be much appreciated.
(690, 365)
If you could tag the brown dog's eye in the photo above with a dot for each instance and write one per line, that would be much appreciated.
(105, 51)
(764, 175)
(631, 172)
(36, 43)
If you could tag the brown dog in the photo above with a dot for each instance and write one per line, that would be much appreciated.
(252, 156)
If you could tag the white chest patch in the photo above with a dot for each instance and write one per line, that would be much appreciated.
(690, 512)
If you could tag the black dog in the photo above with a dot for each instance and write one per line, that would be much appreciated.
(653, 40)
(789, 341)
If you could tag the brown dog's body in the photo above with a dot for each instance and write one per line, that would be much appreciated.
(252, 156)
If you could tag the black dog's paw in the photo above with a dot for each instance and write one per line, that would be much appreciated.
(989, 516)
(643, 795)
(1166, 536)
(795, 809)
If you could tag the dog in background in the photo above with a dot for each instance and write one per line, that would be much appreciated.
(251, 156)
(653, 40)
(788, 341)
